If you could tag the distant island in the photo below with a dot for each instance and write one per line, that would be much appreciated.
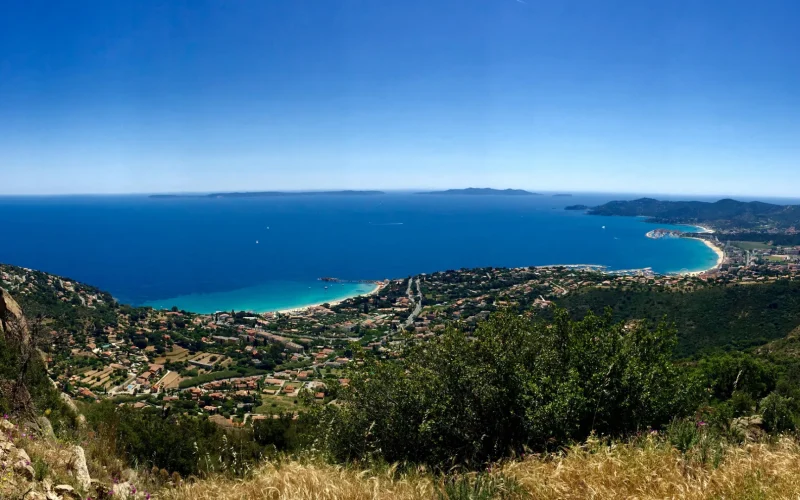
(725, 213)
(577, 207)
(270, 194)
(483, 192)
(562, 195)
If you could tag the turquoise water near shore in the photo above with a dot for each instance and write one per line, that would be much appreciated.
(273, 296)
(265, 254)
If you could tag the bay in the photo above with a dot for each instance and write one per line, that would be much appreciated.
(261, 254)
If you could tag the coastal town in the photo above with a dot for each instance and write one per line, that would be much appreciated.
(238, 366)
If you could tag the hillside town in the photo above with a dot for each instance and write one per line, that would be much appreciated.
(240, 366)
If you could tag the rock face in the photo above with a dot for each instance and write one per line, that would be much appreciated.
(81, 470)
(66, 491)
(752, 428)
(122, 491)
(12, 322)
(46, 428)
(74, 409)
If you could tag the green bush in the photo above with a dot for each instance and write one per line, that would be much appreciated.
(776, 412)
(683, 434)
(516, 383)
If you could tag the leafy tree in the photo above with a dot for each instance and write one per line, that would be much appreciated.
(517, 383)
(777, 413)
(738, 372)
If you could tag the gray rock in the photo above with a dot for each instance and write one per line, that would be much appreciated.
(66, 491)
(24, 470)
(46, 428)
(122, 491)
(6, 448)
(21, 456)
(6, 426)
(74, 409)
(12, 322)
(78, 461)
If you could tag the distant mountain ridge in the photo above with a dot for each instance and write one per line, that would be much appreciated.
(722, 213)
(483, 192)
(267, 194)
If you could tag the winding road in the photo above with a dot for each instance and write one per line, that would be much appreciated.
(417, 301)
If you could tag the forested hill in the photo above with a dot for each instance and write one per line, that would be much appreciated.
(722, 213)
(729, 318)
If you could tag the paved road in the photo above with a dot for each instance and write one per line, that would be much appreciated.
(417, 301)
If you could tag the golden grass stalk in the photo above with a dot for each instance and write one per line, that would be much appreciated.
(752, 471)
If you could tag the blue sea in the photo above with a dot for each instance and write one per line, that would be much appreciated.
(264, 254)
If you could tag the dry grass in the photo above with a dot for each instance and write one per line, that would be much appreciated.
(648, 471)
(294, 480)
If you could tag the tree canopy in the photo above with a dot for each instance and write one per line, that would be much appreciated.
(515, 383)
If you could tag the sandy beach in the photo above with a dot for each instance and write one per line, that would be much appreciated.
(717, 250)
(378, 287)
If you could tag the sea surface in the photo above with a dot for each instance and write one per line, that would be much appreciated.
(264, 254)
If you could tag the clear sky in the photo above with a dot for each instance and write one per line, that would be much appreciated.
(694, 96)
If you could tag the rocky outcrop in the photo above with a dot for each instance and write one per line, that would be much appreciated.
(79, 418)
(80, 468)
(20, 480)
(12, 321)
(66, 491)
(752, 427)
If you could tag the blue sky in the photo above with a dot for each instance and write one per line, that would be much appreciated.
(622, 96)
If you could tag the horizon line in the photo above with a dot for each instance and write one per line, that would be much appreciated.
(393, 191)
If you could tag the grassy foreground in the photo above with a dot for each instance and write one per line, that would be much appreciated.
(649, 469)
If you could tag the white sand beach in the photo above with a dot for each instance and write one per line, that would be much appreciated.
(378, 286)
(717, 250)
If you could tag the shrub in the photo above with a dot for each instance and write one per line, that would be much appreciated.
(742, 403)
(683, 434)
(516, 383)
(776, 412)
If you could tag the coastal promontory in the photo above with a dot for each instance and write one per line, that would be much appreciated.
(722, 213)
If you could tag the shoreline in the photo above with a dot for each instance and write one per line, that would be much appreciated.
(255, 308)
(705, 230)
(377, 287)
(717, 250)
